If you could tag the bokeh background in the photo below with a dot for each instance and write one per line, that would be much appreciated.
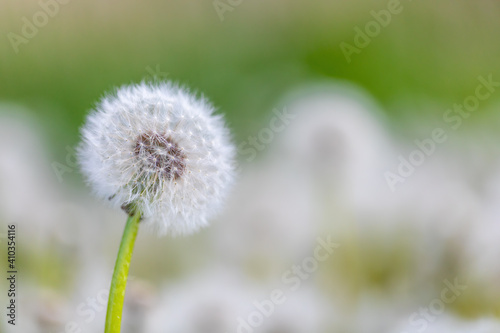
(323, 175)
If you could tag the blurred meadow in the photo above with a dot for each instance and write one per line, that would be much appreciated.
(324, 176)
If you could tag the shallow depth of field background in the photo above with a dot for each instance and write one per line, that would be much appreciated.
(321, 176)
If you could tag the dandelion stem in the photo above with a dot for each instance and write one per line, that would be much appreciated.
(120, 274)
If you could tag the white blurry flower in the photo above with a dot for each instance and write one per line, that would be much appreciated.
(25, 174)
(482, 246)
(162, 150)
(438, 200)
(439, 211)
(337, 135)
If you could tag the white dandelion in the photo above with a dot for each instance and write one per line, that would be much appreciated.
(161, 150)
(164, 157)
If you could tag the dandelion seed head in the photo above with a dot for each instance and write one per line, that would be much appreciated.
(162, 150)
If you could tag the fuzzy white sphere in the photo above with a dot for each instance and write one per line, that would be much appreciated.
(159, 149)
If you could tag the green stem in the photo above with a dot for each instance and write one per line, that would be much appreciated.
(120, 275)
